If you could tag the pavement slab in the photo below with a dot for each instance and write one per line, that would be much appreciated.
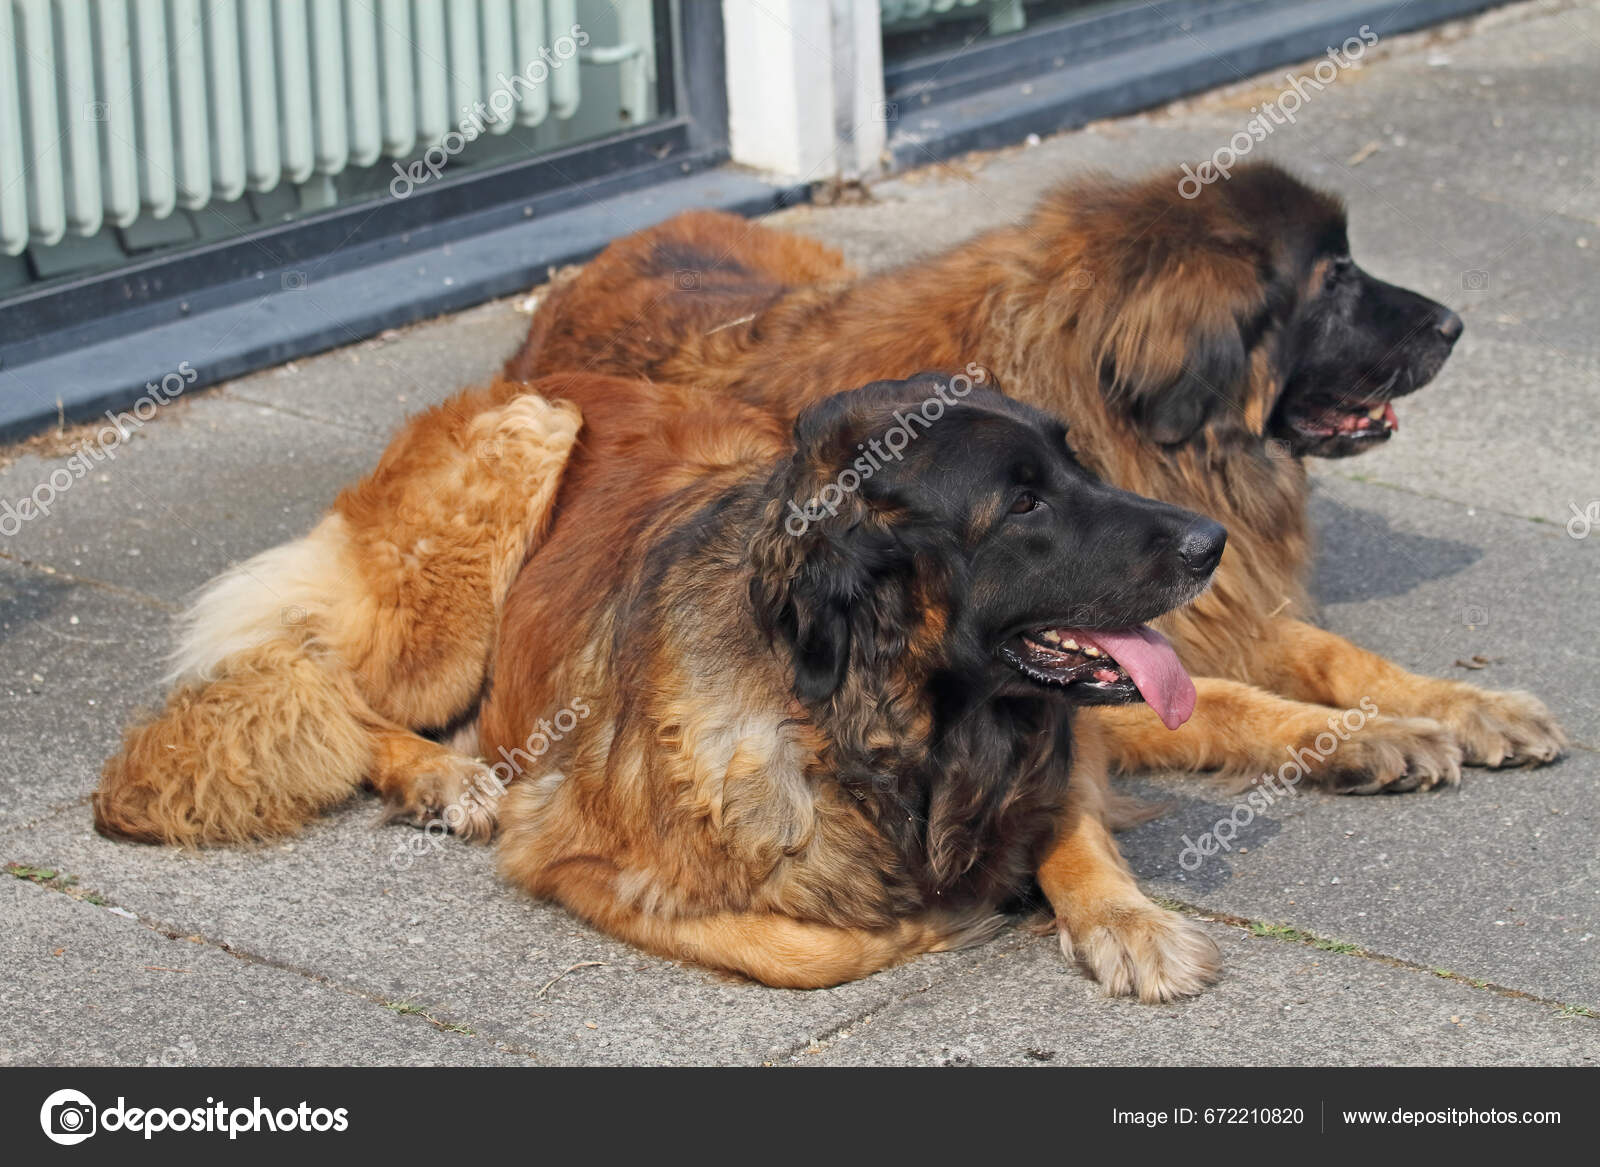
(1497, 879)
(1431, 582)
(376, 384)
(186, 495)
(76, 660)
(87, 987)
(435, 926)
(1494, 432)
(1279, 1004)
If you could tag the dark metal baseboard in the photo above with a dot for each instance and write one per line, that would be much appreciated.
(295, 313)
(955, 119)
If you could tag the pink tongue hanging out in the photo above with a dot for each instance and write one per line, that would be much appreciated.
(1152, 666)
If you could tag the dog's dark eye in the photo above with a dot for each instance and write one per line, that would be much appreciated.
(1337, 270)
(1025, 502)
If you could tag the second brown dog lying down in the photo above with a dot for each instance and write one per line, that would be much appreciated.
(802, 707)
(307, 670)
(1200, 348)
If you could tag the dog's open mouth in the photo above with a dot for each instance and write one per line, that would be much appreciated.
(1108, 667)
(1338, 423)
(1375, 422)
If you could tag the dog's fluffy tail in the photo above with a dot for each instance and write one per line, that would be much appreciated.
(270, 740)
(263, 726)
(294, 668)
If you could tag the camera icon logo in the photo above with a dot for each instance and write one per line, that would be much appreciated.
(68, 1117)
(686, 280)
(1474, 281)
(294, 281)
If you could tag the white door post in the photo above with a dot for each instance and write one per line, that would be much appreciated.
(805, 86)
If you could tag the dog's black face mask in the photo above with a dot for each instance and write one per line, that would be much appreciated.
(1356, 345)
(1065, 569)
(1046, 573)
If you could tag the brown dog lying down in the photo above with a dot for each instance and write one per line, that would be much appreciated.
(1200, 348)
(797, 748)
(309, 669)
(824, 736)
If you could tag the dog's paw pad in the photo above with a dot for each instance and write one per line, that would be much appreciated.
(1143, 951)
(458, 792)
(1506, 729)
(1392, 756)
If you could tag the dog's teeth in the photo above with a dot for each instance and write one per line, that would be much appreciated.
(1070, 644)
(1091, 651)
(1376, 412)
(1050, 636)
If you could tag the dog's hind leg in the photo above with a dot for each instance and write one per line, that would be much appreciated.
(440, 530)
(434, 536)
(425, 782)
(275, 737)
(303, 672)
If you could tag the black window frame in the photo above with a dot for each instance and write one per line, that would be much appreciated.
(1115, 60)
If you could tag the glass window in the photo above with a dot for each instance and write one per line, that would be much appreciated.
(177, 125)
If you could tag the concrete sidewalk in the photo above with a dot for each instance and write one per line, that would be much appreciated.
(1460, 927)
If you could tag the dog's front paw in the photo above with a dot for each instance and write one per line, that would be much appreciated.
(1142, 950)
(1504, 729)
(1392, 755)
(455, 790)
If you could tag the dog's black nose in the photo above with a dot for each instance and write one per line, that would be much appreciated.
(1451, 326)
(1201, 545)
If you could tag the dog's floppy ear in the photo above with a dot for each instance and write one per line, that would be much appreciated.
(824, 554)
(812, 564)
(1171, 406)
(1167, 317)
(815, 620)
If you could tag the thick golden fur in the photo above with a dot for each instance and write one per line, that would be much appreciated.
(690, 802)
(310, 669)
(1148, 323)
